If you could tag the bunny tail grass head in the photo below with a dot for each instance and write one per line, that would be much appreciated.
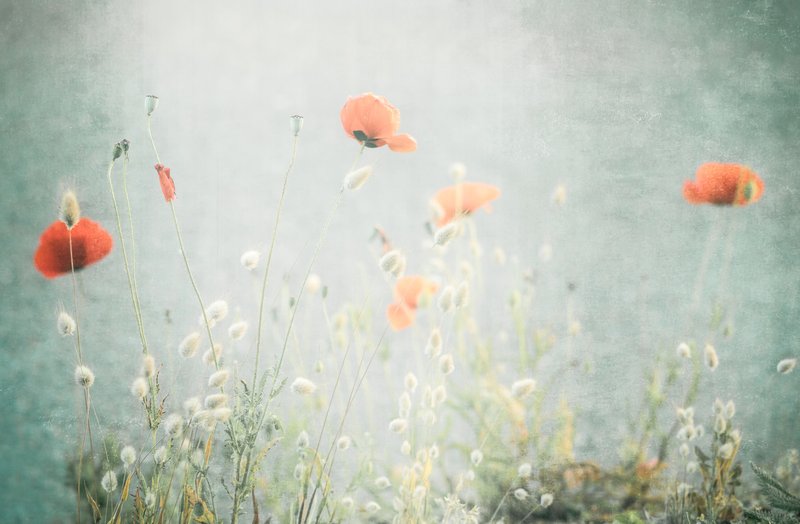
(65, 324)
(70, 211)
(84, 376)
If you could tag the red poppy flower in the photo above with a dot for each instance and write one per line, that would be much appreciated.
(723, 184)
(167, 184)
(90, 244)
(407, 292)
(463, 199)
(373, 121)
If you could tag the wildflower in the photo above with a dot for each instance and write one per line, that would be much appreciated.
(461, 296)
(84, 376)
(65, 324)
(405, 448)
(222, 414)
(150, 104)
(191, 406)
(476, 457)
(438, 395)
(372, 507)
(303, 386)
(250, 259)
(725, 451)
(218, 379)
(445, 301)
(711, 358)
(446, 233)
(140, 388)
(70, 212)
(559, 195)
(787, 365)
(391, 261)
(173, 424)
(520, 494)
(217, 310)
(160, 455)
(344, 443)
(373, 121)
(434, 345)
(166, 182)
(446, 364)
(724, 184)
(211, 355)
(313, 283)
(302, 439)
(683, 350)
(523, 388)
(546, 500)
(398, 425)
(216, 400)
(128, 456)
(148, 366)
(90, 244)
(355, 179)
(188, 346)
(237, 330)
(109, 481)
(295, 124)
(410, 382)
(524, 470)
(408, 291)
(462, 199)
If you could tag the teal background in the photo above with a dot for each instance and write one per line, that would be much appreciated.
(620, 101)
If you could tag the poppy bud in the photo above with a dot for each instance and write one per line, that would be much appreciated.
(117, 151)
(150, 104)
(295, 124)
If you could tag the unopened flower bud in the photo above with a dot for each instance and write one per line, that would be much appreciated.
(150, 104)
(295, 124)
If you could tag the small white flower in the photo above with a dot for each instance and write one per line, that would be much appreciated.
(237, 330)
(355, 179)
(109, 481)
(720, 424)
(524, 470)
(523, 388)
(250, 259)
(428, 417)
(711, 358)
(344, 442)
(188, 346)
(382, 483)
(787, 365)
(398, 425)
(219, 378)
(683, 350)
(128, 456)
(303, 386)
(446, 364)
(140, 388)
(84, 376)
(65, 324)
(546, 500)
(476, 457)
(520, 494)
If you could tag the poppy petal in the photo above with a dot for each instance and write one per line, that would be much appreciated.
(90, 243)
(400, 316)
(401, 143)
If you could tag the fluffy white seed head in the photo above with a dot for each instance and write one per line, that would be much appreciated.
(140, 388)
(109, 481)
(128, 456)
(208, 356)
(684, 450)
(191, 406)
(546, 500)
(434, 346)
(523, 388)
(524, 470)
(410, 382)
(222, 415)
(787, 365)
(730, 409)
(446, 364)
(65, 324)
(405, 448)
(188, 346)
(438, 395)
(160, 455)
(218, 378)
(355, 179)
(683, 350)
(313, 283)
(347, 503)
(476, 457)
(70, 212)
(344, 442)
(173, 424)
(382, 483)
(725, 451)
(461, 295)
(398, 425)
(303, 386)
(520, 494)
(84, 376)
(303, 439)
(720, 424)
(250, 259)
(447, 233)
(217, 400)
(445, 301)
(217, 310)
(237, 330)
(372, 507)
(148, 366)
(710, 356)
(391, 262)
(404, 404)
(433, 452)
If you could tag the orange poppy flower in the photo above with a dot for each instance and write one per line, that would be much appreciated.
(407, 291)
(463, 199)
(90, 244)
(724, 184)
(167, 184)
(373, 121)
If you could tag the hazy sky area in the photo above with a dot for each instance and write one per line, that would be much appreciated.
(619, 101)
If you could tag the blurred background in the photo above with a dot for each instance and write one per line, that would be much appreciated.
(617, 101)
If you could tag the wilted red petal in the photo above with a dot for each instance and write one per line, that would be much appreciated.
(167, 184)
(401, 143)
(90, 243)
